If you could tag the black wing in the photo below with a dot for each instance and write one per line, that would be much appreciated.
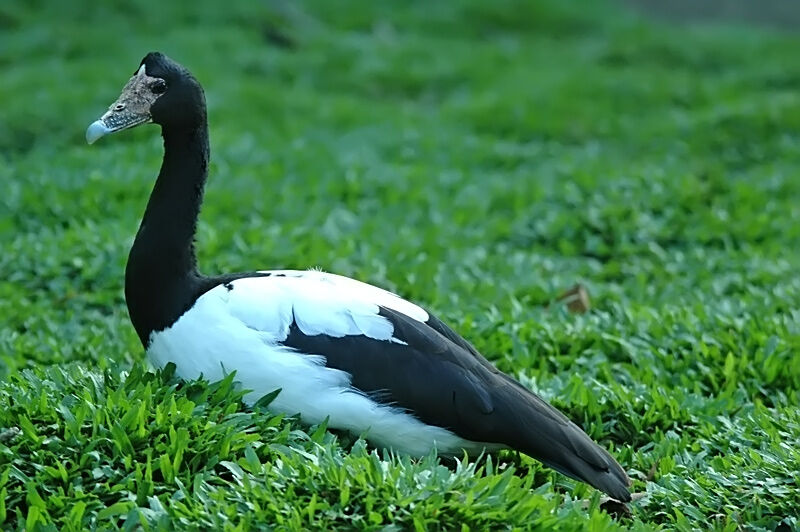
(442, 380)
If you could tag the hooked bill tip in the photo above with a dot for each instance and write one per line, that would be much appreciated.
(96, 130)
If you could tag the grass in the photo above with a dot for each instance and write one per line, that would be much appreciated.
(477, 157)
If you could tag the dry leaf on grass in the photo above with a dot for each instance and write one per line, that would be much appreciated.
(576, 299)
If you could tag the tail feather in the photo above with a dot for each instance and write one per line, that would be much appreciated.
(544, 433)
(608, 477)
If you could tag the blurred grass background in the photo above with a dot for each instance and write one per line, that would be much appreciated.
(477, 157)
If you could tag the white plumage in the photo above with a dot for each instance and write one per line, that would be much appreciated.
(239, 326)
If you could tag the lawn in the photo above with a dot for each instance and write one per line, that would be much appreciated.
(477, 157)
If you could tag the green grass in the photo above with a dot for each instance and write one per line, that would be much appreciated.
(477, 157)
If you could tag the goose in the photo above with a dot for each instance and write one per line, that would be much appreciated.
(337, 349)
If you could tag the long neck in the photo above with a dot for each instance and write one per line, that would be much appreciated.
(161, 276)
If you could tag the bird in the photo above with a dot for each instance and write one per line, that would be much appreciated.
(335, 349)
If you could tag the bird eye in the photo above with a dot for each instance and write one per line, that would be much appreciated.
(158, 86)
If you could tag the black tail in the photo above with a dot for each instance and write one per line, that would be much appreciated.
(542, 432)
(525, 422)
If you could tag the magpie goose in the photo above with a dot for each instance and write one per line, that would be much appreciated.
(369, 361)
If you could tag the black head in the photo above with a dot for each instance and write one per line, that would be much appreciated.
(160, 91)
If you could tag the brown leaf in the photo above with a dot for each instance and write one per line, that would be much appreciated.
(576, 299)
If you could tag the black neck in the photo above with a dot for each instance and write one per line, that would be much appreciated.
(161, 278)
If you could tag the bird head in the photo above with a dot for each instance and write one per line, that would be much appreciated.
(161, 91)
